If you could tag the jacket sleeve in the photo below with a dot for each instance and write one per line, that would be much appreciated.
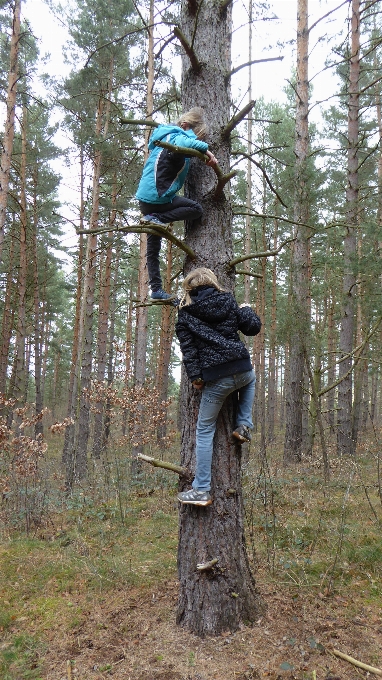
(248, 321)
(189, 350)
(190, 142)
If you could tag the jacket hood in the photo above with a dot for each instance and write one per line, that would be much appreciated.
(161, 132)
(208, 304)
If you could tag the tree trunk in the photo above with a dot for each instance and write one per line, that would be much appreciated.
(39, 397)
(19, 389)
(220, 598)
(344, 431)
(8, 317)
(300, 252)
(166, 336)
(9, 126)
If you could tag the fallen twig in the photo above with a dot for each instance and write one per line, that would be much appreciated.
(359, 664)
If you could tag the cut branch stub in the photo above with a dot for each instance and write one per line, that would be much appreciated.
(195, 64)
(234, 122)
(178, 469)
(134, 121)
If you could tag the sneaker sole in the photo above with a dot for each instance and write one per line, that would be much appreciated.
(240, 438)
(203, 503)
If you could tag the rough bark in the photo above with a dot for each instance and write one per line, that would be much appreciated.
(300, 253)
(344, 431)
(219, 599)
(9, 126)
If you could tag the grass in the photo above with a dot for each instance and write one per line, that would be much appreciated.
(308, 535)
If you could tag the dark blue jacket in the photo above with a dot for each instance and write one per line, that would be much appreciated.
(165, 172)
(208, 334)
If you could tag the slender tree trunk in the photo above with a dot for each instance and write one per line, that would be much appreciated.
(140, 346)
(103, 320)
(165, 343)
(300, 257)
(248, 225)
(39, 397)
(344, 431)
(19, 390)
(332, 362)
(8, 316)
(80, 457)
(9, 126)
(67, 454)
(272, 379)
(220, 598)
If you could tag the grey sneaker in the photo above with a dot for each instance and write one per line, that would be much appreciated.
(242, 433)
(161, 295)
(151, 219)
(193, 497)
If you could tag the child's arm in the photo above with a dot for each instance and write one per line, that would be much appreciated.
(248, 321)
(190, 142)
(189, 351)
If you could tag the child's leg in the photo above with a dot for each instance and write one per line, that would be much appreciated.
(246, 397)
(213, 396)
(183, 208)
(152, 253)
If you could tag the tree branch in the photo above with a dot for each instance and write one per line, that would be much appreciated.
(196, 66)
(156, 229)
(355, 362)
(222, 179)
(245, 273)
(346, 2)
(249, 63)
(224, 6)
(206, 566)
(265, 253)
(178, 469)
(268, 181)
(136, 121)
(234, 122)
(359, 664)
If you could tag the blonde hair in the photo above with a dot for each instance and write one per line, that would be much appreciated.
(198, 277)
(195, 119)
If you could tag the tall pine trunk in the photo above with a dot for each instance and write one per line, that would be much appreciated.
(300, 253)
(344, 430)
(9, 126)
(224, 596)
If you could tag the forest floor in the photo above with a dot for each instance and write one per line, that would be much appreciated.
(92, 593)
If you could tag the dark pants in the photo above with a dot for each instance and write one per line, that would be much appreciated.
(180, 208)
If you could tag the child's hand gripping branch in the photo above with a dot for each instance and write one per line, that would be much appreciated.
(218, 363)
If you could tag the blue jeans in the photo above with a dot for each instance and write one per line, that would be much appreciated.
(214, 394)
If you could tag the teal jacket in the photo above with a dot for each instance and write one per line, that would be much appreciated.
(165, 172)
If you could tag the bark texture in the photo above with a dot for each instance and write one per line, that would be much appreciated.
(220, 598)
(345, 388)
(300, 253)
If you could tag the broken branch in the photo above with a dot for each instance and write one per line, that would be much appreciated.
(178, 469)
(196, 66)
(205, 566)
(237, 119)
(245, 273)
(136, 121)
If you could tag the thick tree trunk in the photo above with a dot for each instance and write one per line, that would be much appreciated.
(300, 251)
(9, 126)
(224, 596)
(345, 445)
